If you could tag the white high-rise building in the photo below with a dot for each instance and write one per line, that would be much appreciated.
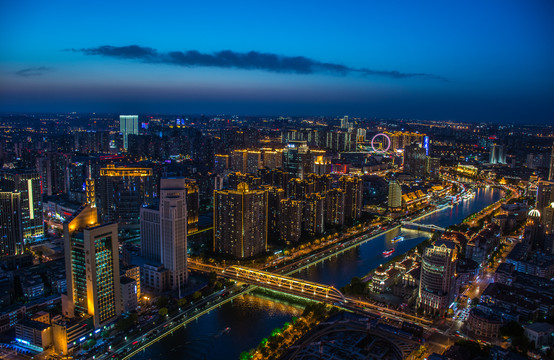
(497, 154)
(173, 229)
(128, 124)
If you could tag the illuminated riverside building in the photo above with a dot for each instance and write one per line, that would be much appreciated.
(290, 220)
(128, 124)
(399, 140)
(437, 283)
(164, 231)
(467, 170)
(122, 191)
(27, 183)
(240, 221)
(415, 160)
(353, 193)
(11, 239)
(92, 268)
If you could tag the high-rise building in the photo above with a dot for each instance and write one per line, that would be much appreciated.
(11, 238)
(290, 220)
(395, 195)
(344, 124)
(173, 229)
(545, 195)
(497, 154)
(296, 159)
(414, 160)
(92, 267)
(122, 191)
(128, 124)
(54, 174)
(27, 184)
(432, 166)
(437, 283)
(353, 196)
(240, 221)
(313, 222)
(274, 197)
(272, 159)
(551, 172)
(193, 205)
(150, 246)
(253, 161)
(547, 219)
(534, 231)
(334, 206)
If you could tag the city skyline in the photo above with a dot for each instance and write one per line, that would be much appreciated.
(471, 62)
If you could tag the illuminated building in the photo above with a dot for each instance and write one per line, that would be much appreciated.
(240, 221)
(466, 170)
(193, 205)
(274, 197)
(253, 161)
(133, 272)
(437, 283)
(11, 238)
(334, 206)
(272, 159)
(395, 195)
(322, 183)
(122, 191)
(344, 124)
(299, 188)
(274, 177)
(432, 167)
(548, 219)
(221, 163)
(52, 168)
(314, 214)
(399, 140)
(237, 161)
(295, 155)
(414, 200)
(92, 268)
(128, 124)
(497, 154)
(545, 195)
(235, 178)
(551, 172)
(150, 233)
(27, 184)
(290, 220)
(414, 160)
(173, 229)
(353, 196)
(128, 294)
(534, 231)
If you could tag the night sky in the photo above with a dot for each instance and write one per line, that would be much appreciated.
(441, 60)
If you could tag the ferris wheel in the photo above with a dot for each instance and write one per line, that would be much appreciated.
(380, 143)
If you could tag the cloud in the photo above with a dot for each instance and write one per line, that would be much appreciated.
(252, 60)
(33, 71)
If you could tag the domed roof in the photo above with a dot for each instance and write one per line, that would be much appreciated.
(534, 213)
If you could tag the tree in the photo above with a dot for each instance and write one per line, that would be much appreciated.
(196, 295)
(182, 302)
(162, 301)
(163, 311)
(212, 277)
(475, 301)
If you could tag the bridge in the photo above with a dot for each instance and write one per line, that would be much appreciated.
(284, 283)
(424, 227)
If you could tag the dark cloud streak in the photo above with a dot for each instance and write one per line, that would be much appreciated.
(252, 60)
(33, 71)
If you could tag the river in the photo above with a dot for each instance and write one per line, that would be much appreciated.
(251, 318)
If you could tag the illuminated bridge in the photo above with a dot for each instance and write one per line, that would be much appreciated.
(284, 283)
(425, 227)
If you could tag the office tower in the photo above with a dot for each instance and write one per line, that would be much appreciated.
(128, 124)
(290, 220)
(497, 154)
(314, 214)
(547, 219)
(274, 197)
(27, 184)
(334, 206)
(414, 160)
(240, 221)
(92, 267)
(353, 196)
(551, 172)
(534, 231)
(173, 229)
(150, 246)
(11, 238)
(395, 195)
(545, 195)
(122, 191)
(295, 155)
(437, 283)
(53, 170)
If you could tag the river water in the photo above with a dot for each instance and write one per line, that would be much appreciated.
(251, 318)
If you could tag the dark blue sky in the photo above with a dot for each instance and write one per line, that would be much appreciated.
(471, 60)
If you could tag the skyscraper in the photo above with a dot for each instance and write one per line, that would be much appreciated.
(395, 195)
(353, 196)
(414, 160)
(437, 283)
(240, 221)
(290, 220)
(92, 267)
(497, 154)
(27, 184)
(11, 239)
(128, 124)
(551, 172)
(545, 195)
(193, 205)
(150, 246)
(173, 229)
